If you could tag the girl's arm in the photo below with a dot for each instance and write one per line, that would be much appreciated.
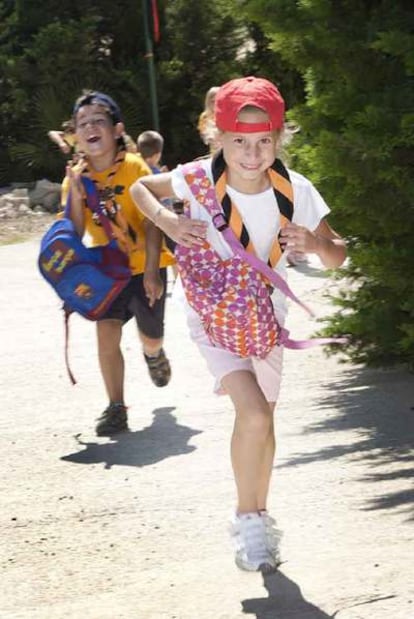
(146, 193)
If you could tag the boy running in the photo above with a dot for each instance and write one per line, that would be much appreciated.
(99, 135)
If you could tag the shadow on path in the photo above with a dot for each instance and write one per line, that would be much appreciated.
(164, 438)
(311, 271)
(285, 601)
(377, 406)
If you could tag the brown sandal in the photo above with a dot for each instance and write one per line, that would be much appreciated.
(159, 368)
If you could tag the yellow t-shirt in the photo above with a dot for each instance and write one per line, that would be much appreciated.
(130, 169)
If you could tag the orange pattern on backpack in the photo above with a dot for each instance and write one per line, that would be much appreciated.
(231, 298)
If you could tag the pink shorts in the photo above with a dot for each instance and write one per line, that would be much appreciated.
(221, 362)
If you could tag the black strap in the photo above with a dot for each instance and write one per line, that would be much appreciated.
(218, 166)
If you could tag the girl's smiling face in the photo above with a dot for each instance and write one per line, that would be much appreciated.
(249, 155)
(96, 134)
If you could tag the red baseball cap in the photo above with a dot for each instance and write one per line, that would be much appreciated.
(233, 96)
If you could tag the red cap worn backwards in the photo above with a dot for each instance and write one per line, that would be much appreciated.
(233, 96)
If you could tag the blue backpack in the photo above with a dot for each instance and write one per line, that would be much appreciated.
(87, 279)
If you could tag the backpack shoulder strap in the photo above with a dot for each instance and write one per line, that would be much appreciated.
(201, 187)
(282, 189)
(204, 192)
(94, 204)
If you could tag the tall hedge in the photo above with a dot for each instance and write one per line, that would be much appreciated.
(356, 141)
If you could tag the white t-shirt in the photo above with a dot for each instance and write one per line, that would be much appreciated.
(261, 216)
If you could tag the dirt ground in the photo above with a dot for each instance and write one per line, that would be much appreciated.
(135, 527)
(26, 227)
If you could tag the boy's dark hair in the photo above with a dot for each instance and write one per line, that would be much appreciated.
(150, 143)
(94, 97)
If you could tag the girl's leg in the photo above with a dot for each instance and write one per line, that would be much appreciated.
(252, 445)
(268, 460)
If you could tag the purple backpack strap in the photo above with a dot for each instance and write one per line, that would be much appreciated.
(287, 342)
(278, 281)
(94, 204)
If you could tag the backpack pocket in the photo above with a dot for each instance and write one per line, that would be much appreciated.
(232, 300)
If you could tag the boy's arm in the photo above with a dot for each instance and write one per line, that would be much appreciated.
(73, 185)
(323, 241)
(152, 282)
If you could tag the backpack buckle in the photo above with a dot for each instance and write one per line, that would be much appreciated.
(221, 224)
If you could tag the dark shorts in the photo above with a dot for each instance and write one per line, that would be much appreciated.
(170, 244)
(132, 302)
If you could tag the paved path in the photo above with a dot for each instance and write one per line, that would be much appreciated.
(136, 527)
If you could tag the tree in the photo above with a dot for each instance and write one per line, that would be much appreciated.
(357, 143)
(51, 53)
(54, 50)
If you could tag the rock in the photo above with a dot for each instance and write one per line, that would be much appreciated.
(46, 194)
(23, 209)
(21, 192)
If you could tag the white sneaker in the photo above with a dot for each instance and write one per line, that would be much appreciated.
(252, 552)
(273, 536)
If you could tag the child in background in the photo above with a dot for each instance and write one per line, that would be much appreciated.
(150, 145)
(206, 125)
(100, 136)
(249, 115)
(65, 139)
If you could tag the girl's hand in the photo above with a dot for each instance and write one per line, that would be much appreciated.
(324, 242)
(181, 229)
(298, 239)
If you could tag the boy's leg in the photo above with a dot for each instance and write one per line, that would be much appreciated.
(150, 322)
(111, 361)
(158, 365)
(150, 346)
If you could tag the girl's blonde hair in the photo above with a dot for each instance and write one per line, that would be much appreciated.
(209, 98)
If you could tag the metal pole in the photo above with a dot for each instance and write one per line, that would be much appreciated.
(149, 55)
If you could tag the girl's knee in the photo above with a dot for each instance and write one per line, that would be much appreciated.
(257, 421)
